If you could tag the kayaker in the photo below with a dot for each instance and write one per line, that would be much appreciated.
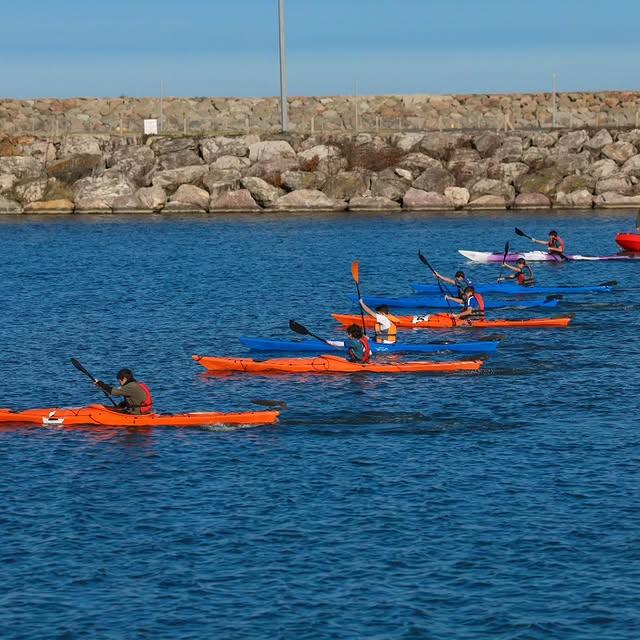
(472, 303)
(357, 345)
(523, 274)
(136, 396)
(385, 329)
(555, 244)
(460, 281)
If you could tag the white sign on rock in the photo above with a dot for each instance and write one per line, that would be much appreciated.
(151, 126)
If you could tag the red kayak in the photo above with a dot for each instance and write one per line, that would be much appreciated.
(629, 241)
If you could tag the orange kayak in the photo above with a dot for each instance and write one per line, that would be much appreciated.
(98, 414)
(445, 321)
(328, 364)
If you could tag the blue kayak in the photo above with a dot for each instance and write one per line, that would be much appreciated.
(315, 346)
(509, 288)
(438, 302)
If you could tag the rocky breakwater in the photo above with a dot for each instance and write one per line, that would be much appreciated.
(365, 172)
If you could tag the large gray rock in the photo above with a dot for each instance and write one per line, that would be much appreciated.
(6, 182)
(434, 179)
(632, 166)
(437, 145)
(487, 203)
(577, 183)
(532, 201)
(388, 188)
(75, 167)
(603, 169)
(419, 162)
(487, 143)
(22, 167)
(488, 187)
(49, 206)
(135, 161)
(511, 150)
(612, 200)
(458, 196)
(308, 199)
(213, 148)
(599, 140)
(152, 198)
(565, 164)
(507, 172)
(420, 200)
(632, 136)
(98, 194)
(8, 206)
(535, 158)
(616, 184)
(270, 150)
(467, 173)
(168, 146)
(171, 179)
(28, 191)
(543, 139)
(192, 197)
(321, 152)
(346, 184)
(79, 144)
(573, 141)
(128, 204)
(407, 141)
(179, 159)
(372, 203)
(581, 199)
(231, 162)
(619, 151)
(271, 170)
(545, 181)
(265, 194)
(294, 180)
(238, 200)
(222, 179)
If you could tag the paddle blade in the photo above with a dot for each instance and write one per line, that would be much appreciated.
(506, 252)
(520, 232)
(298, 328)
(277, 404)
(608, 283)
(79, 367)
(355, 271)
(555, 296)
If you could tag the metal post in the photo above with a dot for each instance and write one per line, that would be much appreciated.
(284, 116)
(160, 124)
(554, 106)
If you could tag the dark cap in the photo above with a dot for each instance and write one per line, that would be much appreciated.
(125, 373)
(459, 274)
(553, 232)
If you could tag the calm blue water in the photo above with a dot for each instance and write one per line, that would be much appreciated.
(501, 505)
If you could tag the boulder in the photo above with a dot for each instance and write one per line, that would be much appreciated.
(581, 199)
(43, 150)
(57, 190)
(389, 188)
(543, 140)
(271, 170)
(179, 159)
(615, 184)
(135, 161)
(467, 173)
(6, 182)
(488, 203)
(507, 172)
(213, 148)
(30, 190)
(603, 169)
(565, 164)
(612, 200)
(488, 187)
(294, 180)
(573, 141)
(632, 136)
(437, 145)
(79, 144)
(22, 167)
(545, 181)
(237, 200)
(619, 151)
(270, 150)
(320, 151)
(407, 141)
(168, 146)
(577, 183)
(419, 162)
(128, 204)
(598, 141)
(372, 203)
(632, 166)
(75, 167)
(265, 194)
(217, 178)
(535, 158)
(8, 206)
(231, 162)
(192, 197)
(97, 194)
(458, 196)
(487, 143)
(404, 174)
(49, 206)
(308, 199)
(171, 179)
(420, 200)
(532, 201)
(511, 150)
(346, 185)
(434, 179)
(152, 198)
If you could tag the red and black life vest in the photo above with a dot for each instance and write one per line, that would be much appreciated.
(147, 403)
(525, 276)
(366, 355)
(479, 311)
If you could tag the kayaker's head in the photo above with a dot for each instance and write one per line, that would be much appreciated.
(468, 292)
(355, 331)
(553, 233)
(459, 275)
(382, 308)
(520, 262)
(125, 375)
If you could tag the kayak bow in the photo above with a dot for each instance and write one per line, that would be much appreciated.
(533, 256)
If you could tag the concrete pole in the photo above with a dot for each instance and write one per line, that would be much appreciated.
(554, 103)
(284, 107)
(161, 123)
(356, 95)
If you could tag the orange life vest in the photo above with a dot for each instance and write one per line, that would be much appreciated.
(147, 403)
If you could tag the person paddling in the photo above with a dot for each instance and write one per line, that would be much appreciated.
(460, 281)
(472, 305)
(385, 329)
(136, 396)
(555, 244)
(523, 274)
(357, 345)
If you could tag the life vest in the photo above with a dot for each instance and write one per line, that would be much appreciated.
(386, 335)
(477, 312)
(462, 285)
(366, 356)
(525, 276)
(557, 244)
(147, 403)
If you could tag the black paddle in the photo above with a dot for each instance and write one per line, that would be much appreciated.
(424, 260)
(303, 331)
(79, 367)
(504, 258)
(278, 404)
(520, 232)
(355, 273)
(608, 283)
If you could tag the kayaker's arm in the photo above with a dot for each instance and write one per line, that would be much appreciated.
(444, 278)
(107, 388)
(366, 309)
(508, 266)
(459, 301)
(544, 242)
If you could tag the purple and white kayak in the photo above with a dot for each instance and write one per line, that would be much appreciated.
(535, 256)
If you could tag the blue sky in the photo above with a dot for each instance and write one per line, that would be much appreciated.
(230, 47)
